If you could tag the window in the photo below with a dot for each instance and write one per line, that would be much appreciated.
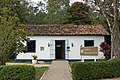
(31, 46)
(88, 0)
(88, 43)
(41, 48)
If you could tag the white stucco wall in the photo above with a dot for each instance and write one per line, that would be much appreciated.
(73, 54)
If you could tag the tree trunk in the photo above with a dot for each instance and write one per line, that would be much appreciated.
(116, 42)
(112, 51)
(116, 31)
(2, 61)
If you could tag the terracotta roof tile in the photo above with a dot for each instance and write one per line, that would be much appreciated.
(66, 30)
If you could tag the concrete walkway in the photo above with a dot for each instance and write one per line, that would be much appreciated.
(59, 70)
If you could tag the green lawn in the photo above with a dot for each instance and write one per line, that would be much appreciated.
(39, 72)
(71, 63)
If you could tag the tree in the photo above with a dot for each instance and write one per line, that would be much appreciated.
(79, 13)
(16, 7)
(11, 37)
(57, 12)
(110, 11)
(36, 13)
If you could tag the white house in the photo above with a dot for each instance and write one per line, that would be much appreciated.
(51, 42)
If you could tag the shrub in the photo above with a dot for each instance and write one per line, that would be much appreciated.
(95, 70)
(17, 72)
(105, 48)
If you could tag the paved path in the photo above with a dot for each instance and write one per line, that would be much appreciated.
(59, 70)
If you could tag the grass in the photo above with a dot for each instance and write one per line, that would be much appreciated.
(71, 63)
(39, 72)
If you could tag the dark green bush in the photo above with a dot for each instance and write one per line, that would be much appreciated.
(17, 72)
(95, 70)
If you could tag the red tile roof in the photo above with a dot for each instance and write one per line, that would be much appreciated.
(66, 30)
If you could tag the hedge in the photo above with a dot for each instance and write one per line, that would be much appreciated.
(17, 72)
(95, 70)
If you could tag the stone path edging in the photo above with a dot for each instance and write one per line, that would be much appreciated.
(43, 74)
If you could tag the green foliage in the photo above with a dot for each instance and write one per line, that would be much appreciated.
(95, 70)
(15, 7)
(36, 13)
(11, 38)
(79, 13)
(36, 19)
(17, 72)
(57, 12)
(96, 20)
(7, 43)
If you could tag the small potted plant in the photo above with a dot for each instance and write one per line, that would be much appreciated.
(34, 61)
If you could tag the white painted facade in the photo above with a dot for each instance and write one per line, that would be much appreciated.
(49, 51)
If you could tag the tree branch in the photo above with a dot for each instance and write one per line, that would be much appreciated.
(104, 14)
